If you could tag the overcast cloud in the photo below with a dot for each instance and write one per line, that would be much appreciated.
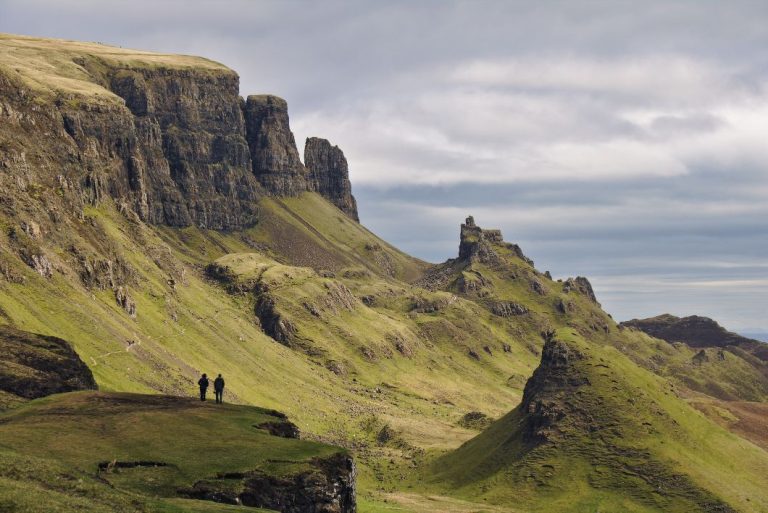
(624, 141)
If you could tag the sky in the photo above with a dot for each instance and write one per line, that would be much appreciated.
(622, 141)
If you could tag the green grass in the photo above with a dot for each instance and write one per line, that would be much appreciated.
(346, 378)
(626, 443)
(67, 436)
(57, 66)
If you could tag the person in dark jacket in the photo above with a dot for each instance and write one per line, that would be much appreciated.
(203, 383)
(218, 388)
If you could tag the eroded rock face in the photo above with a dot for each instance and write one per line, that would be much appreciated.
(329, 487)
(274, 156)
(273, 322)
(508, 309)
(581, 285)
(544, 395)
(183, 149)
(36, 365)
(329, 174)
(474, 244)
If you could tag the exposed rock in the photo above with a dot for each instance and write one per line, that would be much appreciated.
(431, 304)
(508, 309)
(564, 307)
(538, 287)
(329, 174)
(582, 286)
(475, 243)
(274, 156)
(272, 322)
(475, 420)
(283, 429)
(337, 368)
(125, 301)
(329, 487)
(182, 150)
(555, 377)
(474, 283)
(700, 358)
(37, 365)
(32, 229)
(338, 298)
(41, 265)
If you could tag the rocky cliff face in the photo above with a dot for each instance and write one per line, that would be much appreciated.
(174, 145)
(274, 156)
(175, 153)
(329, 174)
(545, 398)
(328, 488)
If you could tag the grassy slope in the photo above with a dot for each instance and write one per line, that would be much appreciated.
(196, 326)
(193, 325)
(69, 435)
(640, 440)
(51, 66)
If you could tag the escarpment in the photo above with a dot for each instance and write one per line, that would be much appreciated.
(172, 142)
(329, 174)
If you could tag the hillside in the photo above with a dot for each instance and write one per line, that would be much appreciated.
(596, 432)
(92, 452)
(163, 226)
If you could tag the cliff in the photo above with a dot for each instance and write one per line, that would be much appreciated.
(329, 174)
(274, 156)
(166, 137)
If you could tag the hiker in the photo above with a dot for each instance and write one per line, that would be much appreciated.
(203, 382)
(218, 389)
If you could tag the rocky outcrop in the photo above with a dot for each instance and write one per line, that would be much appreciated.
(581, 285)
(696, 331)
(329, 174)
(283, 429)
(328, 487)
(475, 243)
(274, 156)
(35, 366)
(545, 397)
(273, 322)
(507, 309)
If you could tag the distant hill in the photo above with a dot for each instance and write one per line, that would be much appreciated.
(697, 331)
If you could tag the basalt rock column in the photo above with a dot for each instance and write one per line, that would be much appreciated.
(274, 156)
(329, 174)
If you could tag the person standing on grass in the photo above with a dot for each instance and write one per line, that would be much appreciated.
(203, 384)
(218, 389)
